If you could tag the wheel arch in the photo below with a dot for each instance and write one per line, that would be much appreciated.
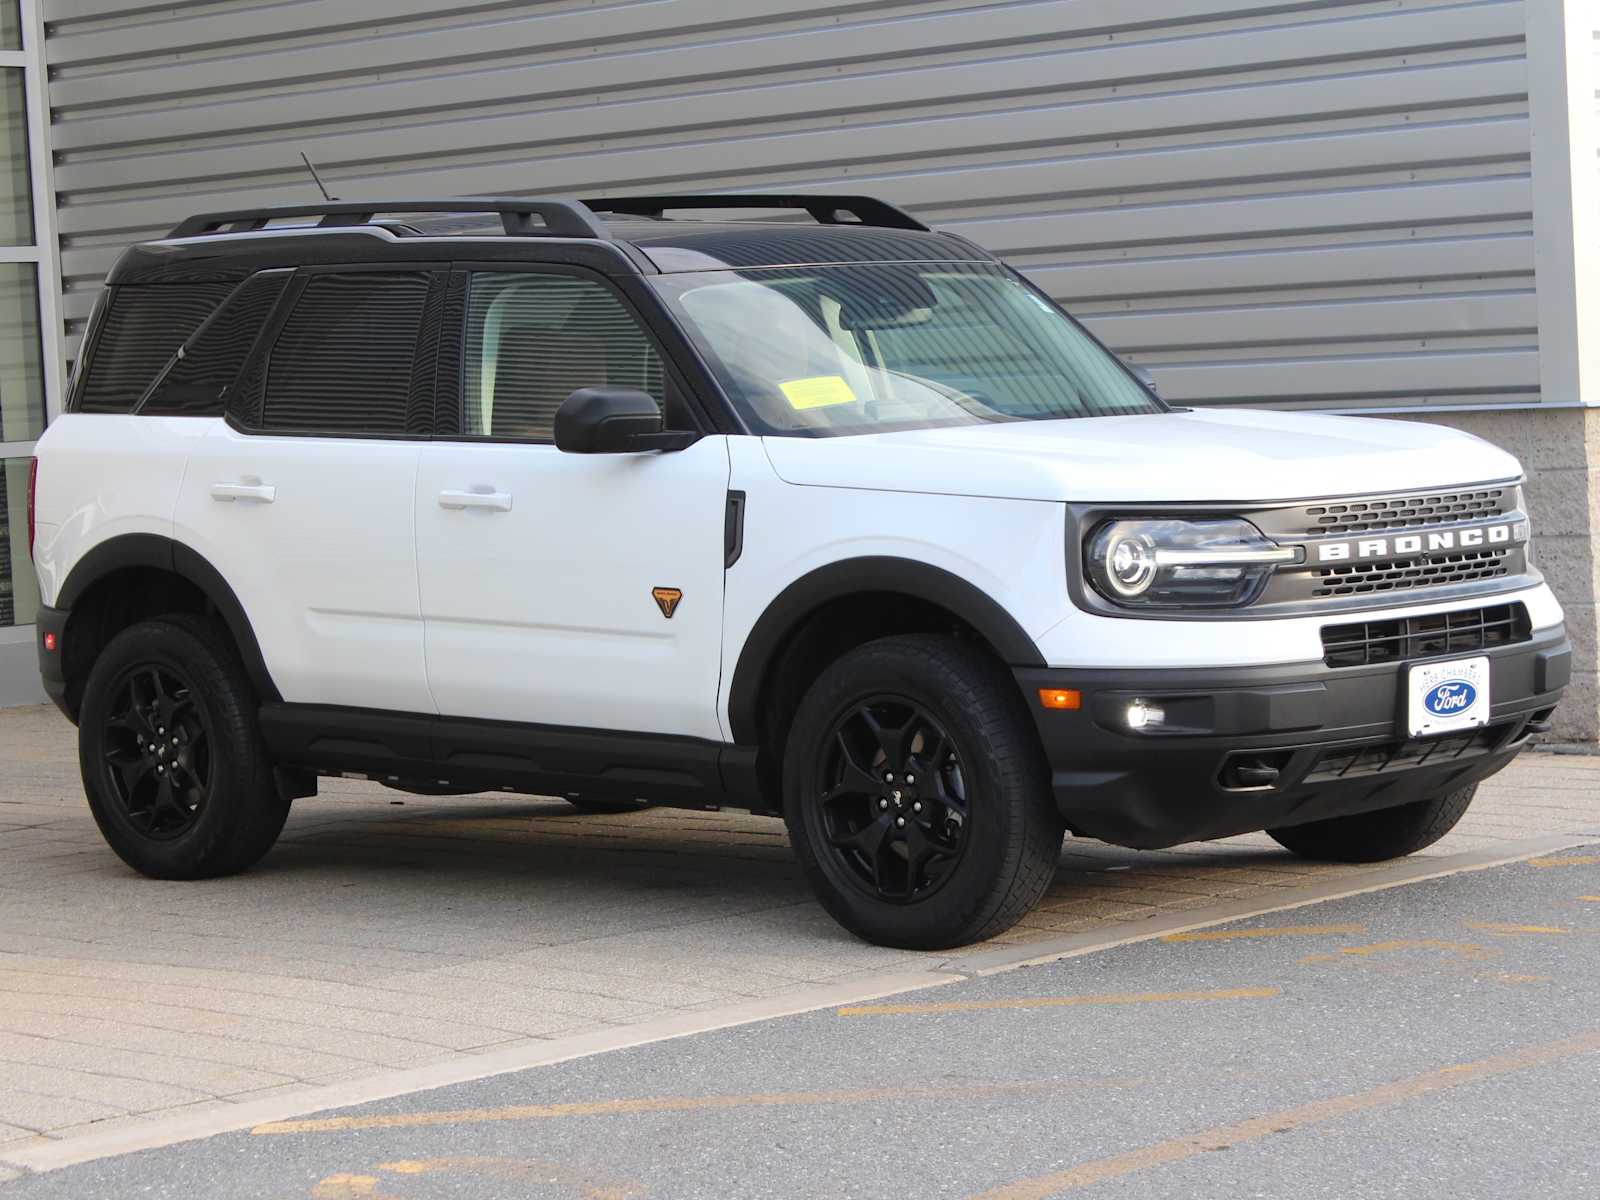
(930, 588)
(133, 557)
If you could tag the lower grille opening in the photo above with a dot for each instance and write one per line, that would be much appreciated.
(1355, 761)
(1364, 643)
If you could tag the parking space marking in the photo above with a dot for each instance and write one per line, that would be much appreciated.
(1509, 928)
(955, 1006)
(1468, 950)
(345, 1186)
(1228, 935)
(648, 1104)
(1592, 899)
(1225, 1137)
(1570, 860)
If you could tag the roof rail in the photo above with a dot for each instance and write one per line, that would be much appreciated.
(826, 210)
(560, 218)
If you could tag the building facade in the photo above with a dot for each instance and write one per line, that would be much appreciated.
(1373, 206)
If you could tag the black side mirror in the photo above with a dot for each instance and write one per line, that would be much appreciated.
(604, 420)
(1142, 374)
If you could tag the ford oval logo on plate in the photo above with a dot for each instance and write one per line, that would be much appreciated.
(1450, 698)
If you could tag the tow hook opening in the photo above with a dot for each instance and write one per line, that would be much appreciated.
(1254, 770)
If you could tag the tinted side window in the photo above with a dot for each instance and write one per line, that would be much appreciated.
(533, 340)
(343, 361)
(197, 382)
(142, 328)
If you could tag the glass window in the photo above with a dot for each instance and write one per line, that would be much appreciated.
(10, 26)
(533, 340)
(198, 378)
(21, 368)
(16, 204)
(824, 351)
(19, 594)
(343, 362)
(139, 332)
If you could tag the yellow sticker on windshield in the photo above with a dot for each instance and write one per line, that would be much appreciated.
(818, 392)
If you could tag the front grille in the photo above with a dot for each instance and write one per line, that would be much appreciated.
(1363, 643)
(1355, 761)
(1432, 571)
(1406, 512)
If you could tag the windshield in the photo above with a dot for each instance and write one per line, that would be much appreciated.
(865, 348)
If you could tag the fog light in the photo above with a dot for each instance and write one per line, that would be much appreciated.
(1143, 716)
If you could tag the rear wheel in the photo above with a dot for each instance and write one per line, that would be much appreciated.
(173, 764)
(916, 795)
(1375, 836)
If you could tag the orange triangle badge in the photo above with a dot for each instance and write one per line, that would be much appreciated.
(667, 600)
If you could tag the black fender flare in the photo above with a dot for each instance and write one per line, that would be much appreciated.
(167, 554)
(903, 576)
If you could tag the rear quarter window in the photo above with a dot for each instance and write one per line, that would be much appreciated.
(141, 329)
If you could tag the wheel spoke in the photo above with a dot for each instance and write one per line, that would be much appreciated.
(854, 779)
(868, 839)
(892, 740)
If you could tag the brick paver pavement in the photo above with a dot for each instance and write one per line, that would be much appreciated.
(388, 930)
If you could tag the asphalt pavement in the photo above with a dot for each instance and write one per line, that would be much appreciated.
(1438, 1039)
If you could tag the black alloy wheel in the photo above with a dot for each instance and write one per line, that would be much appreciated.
(917, 796)
(157, 752)
(893, 798)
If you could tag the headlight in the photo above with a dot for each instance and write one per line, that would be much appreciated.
(1181, 564)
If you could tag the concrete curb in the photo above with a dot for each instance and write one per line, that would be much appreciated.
(166, 1131)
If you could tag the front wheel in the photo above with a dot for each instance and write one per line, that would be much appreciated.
(916, 795)
(1376, 836)
(173, 763)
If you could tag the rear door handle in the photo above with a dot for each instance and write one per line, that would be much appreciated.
(265, 493)
(494, 501)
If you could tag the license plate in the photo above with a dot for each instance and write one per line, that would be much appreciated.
(1448, 696)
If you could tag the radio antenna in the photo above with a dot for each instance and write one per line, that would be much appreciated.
(317, 179)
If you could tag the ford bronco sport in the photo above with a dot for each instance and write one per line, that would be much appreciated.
(839, 519)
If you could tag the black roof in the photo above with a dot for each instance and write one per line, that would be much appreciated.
(630, 237)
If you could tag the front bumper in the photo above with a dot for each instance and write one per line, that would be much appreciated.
(1335, 737)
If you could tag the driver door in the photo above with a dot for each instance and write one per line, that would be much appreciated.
(547, 579)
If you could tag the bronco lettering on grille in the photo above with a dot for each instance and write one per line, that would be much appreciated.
(1416, 544)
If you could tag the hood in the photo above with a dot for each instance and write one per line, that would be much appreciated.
(1210, 456)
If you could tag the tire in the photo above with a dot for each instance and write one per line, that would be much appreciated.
(598, 804)
(966, 840)
(178, 675)
(1376, 836)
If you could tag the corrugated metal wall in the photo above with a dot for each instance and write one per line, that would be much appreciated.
(1314, 202)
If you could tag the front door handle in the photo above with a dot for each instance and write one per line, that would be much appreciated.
(265, 493)
(494, 501)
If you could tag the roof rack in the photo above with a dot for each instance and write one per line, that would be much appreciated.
(826, 210)
(560, 218)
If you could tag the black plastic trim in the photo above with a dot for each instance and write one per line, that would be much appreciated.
(165, 554)
(1162, 786)
(471, 754)
(560, 217)
(824, 209)
(854, 576)
(733, 530)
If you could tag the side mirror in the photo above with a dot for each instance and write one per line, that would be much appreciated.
(1142, 374)
(603, 420)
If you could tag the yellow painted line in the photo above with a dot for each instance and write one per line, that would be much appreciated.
(1225, 935)
(1504, 927)
(652, 1104)
(675, 1104)
(1458, 949)
(1571, 860)
(1592, 899)
(955, 1006)
(1225, 1137)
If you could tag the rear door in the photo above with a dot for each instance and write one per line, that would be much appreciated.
(565, 589)
(305, 499)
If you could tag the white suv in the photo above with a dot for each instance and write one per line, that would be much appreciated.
(837, 519)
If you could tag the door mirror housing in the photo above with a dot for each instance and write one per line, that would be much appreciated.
(605, 420)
